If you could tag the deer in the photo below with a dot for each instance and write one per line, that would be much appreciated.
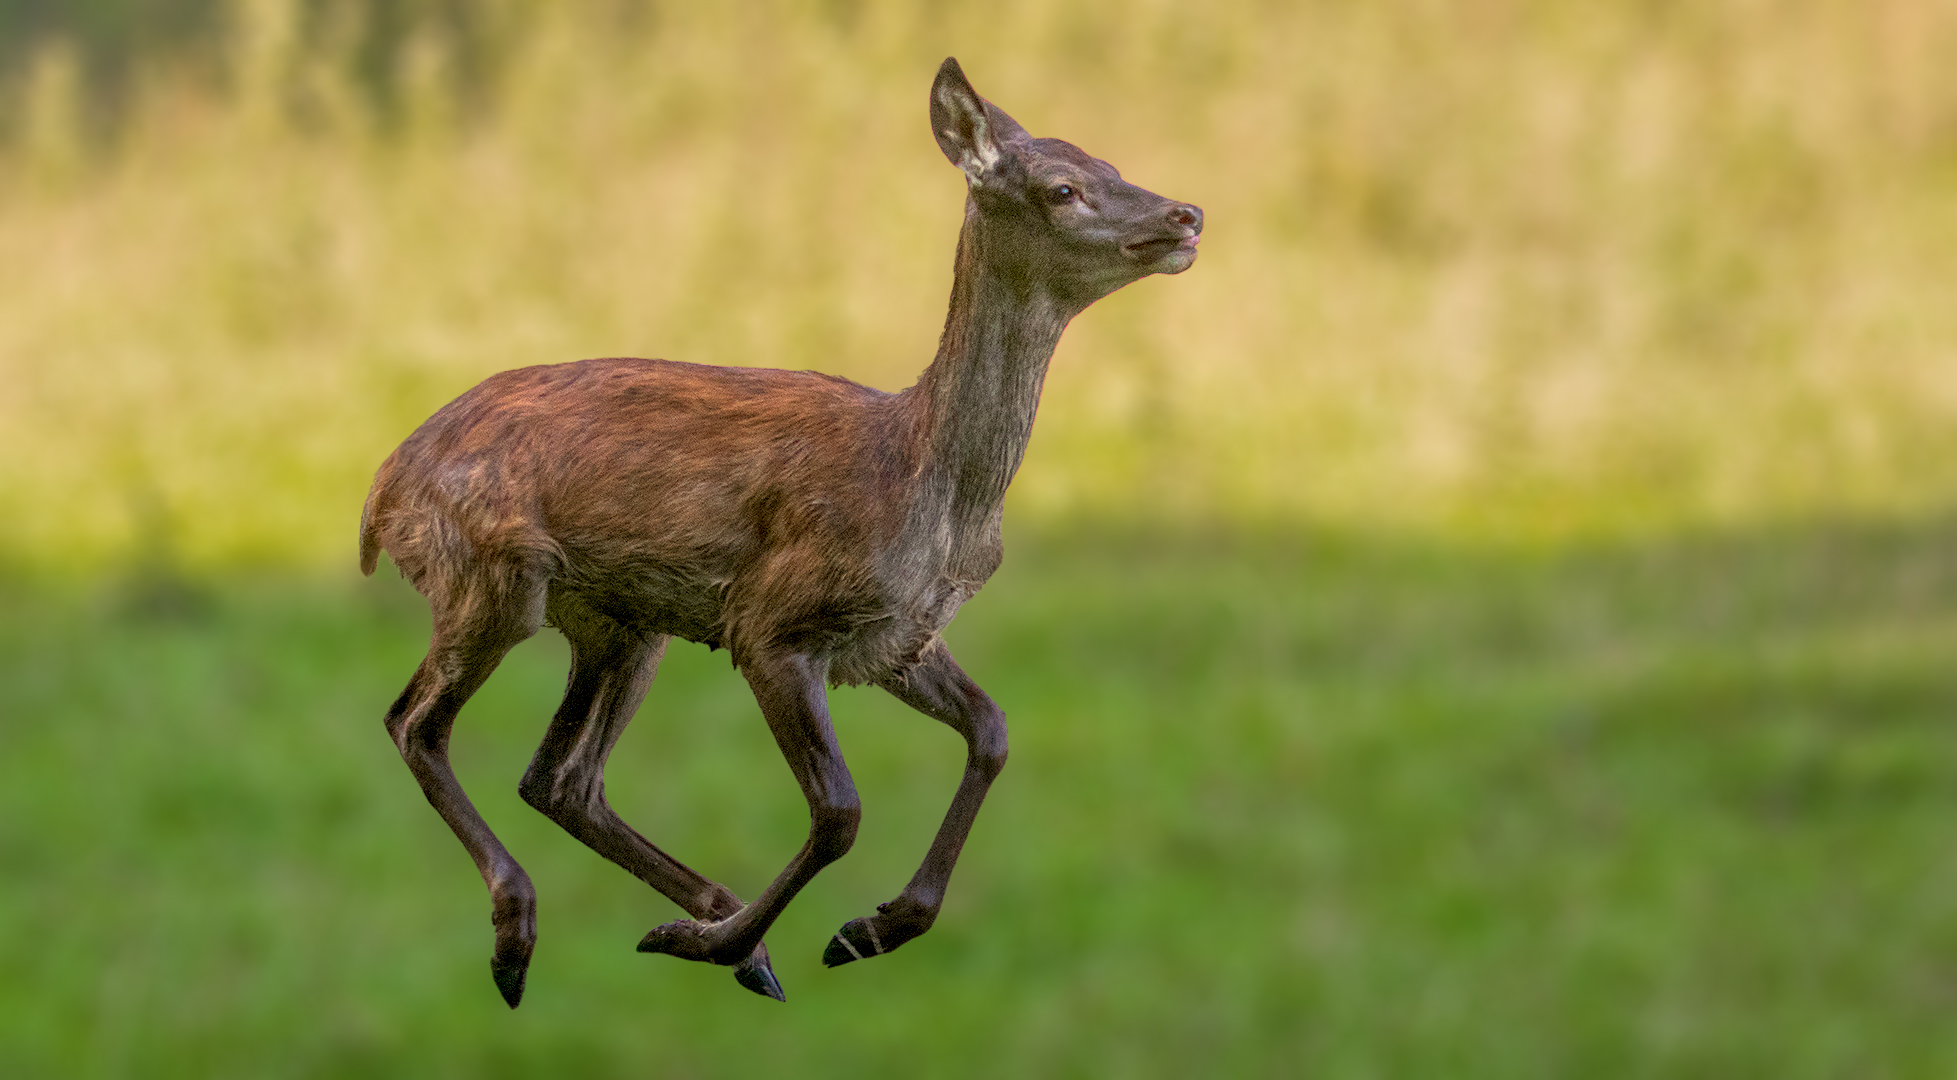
(823, 532)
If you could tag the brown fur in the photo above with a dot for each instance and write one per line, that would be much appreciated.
(730, 506)
(816, 528)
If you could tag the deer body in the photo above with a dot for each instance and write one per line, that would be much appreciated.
(820, 530)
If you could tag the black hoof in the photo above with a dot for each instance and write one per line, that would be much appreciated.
(513, 913)
(509, 977)
(758, 975)
(857, 940)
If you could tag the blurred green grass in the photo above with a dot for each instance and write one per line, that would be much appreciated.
(1299, 804)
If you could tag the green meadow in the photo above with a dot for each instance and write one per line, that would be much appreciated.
(1495, 616)
(1299, 805)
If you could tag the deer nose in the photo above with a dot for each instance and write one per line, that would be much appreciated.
(1187, 216)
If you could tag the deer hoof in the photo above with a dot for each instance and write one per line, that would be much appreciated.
(857, 940)
(515, 920)
(758, 975)
(508, 966)
(894, 923)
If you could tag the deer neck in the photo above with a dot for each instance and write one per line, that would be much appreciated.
(974, 406)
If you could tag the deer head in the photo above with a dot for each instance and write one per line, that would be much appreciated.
(1046, 212)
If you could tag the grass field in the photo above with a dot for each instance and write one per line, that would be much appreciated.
(1302, 805)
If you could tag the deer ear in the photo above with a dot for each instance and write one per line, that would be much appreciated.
(1005, 130)
(958, 118)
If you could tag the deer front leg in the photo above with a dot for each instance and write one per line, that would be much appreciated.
(938, 689)
(789, 688)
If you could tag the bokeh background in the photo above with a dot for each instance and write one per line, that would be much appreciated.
(1495, 616)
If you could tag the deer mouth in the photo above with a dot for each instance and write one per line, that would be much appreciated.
(1178, 249)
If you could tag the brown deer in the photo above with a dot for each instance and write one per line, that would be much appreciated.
(821, 531)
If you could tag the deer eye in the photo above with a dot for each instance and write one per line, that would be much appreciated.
(1062, 193)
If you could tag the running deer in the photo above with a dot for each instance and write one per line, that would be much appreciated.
(821, 531)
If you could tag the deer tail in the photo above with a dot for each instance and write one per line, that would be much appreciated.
(370, 515)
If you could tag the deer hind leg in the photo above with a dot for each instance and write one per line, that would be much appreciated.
(938, 689)
(475, 626)
(789, 688)
(611, 669)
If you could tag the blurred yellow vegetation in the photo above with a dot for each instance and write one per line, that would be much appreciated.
(1515, 268)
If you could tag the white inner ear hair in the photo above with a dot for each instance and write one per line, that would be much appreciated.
(980, 154)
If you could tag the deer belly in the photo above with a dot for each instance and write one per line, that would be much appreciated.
(654, 599)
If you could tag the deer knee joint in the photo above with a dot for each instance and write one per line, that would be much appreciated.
(832, 827)
(990, 763)
(419, 737)
(988, 744)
